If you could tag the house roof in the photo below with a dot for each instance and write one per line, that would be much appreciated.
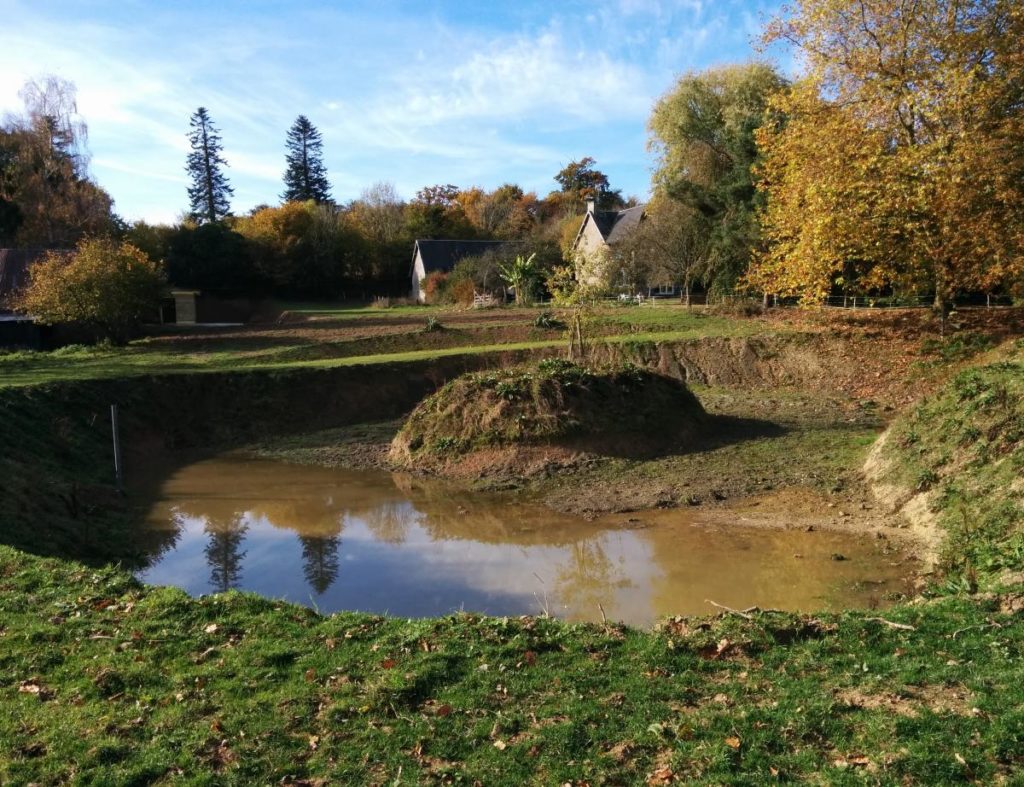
(14, 264)
(441, 255)
(624, 222)
(613, 225)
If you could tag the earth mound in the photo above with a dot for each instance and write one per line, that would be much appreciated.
(953, 465)
(524, 421)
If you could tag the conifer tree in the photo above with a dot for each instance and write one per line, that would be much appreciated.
(209, 193)
(306, 176)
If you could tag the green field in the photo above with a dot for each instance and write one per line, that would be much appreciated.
(105, 681)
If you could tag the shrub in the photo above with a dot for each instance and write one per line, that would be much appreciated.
(433, 324)
(301, 248)
(433, 286)
(547, 321)
(462, 292)
(105, 285)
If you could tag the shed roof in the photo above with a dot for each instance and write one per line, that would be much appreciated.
(14, 265)
(441, 255)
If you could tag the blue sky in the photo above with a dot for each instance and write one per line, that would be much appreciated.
(470, 92)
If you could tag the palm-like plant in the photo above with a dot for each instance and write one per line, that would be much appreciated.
(520, 275)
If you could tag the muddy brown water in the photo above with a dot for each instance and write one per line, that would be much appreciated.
(376, 542)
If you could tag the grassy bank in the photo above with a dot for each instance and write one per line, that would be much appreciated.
(353, 337)
(105, 681)
(960, 452)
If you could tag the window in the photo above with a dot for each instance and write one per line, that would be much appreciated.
(666, 289)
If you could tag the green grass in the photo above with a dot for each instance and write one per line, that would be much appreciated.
(964, 445)
(351, 310)
(147, 357)
(674, 318)
(105, 681)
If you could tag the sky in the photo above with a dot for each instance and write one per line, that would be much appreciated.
(469, 92)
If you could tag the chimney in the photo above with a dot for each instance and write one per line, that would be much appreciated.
(591, 205)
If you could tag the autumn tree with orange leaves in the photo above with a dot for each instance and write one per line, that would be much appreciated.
(900, 163)
(107, 285)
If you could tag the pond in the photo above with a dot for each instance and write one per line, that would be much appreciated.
(409, 547)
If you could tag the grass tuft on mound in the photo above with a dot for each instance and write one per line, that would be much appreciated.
(555, 404)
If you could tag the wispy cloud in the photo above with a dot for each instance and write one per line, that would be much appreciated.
(400, 93)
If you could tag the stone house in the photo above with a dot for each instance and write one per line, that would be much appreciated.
(600, 232)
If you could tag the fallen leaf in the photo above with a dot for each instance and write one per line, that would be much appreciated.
(314, 742)
(388, 664)
(733, 742)
(530, 657)
(310, 675)
(500, 745)
(211, 629)
(661, 776)
(715, 652)
(444, 710)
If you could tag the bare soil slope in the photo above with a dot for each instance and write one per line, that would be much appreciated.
(532, 420)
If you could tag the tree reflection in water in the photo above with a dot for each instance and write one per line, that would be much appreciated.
(224, 553)
(389, 521)
(587, 580)
(320, 561)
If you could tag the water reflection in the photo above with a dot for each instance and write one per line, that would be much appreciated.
(375, 542)
(224, 552)
(320, 561)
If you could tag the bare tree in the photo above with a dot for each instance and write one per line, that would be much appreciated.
(380, 211)
(51, 111)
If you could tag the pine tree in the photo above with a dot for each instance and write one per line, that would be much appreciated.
(306, 176)
(208, 195)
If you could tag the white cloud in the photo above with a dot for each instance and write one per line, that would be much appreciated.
(405, 97)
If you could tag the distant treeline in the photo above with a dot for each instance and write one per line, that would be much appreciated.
(893, 165)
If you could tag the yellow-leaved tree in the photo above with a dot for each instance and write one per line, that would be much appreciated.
(107, 285)
(899, 163)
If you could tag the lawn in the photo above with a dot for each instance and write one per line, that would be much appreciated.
(103, 680)
(352, 336)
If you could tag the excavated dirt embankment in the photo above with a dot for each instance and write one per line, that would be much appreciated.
(534, 419)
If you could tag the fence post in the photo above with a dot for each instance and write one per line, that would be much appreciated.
(118, 467)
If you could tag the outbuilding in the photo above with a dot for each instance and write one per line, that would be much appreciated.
(16, 329)
(430, 256)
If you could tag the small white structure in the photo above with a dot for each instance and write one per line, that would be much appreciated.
(429, 256)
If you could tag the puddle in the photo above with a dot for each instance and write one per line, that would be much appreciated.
(376, 542)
